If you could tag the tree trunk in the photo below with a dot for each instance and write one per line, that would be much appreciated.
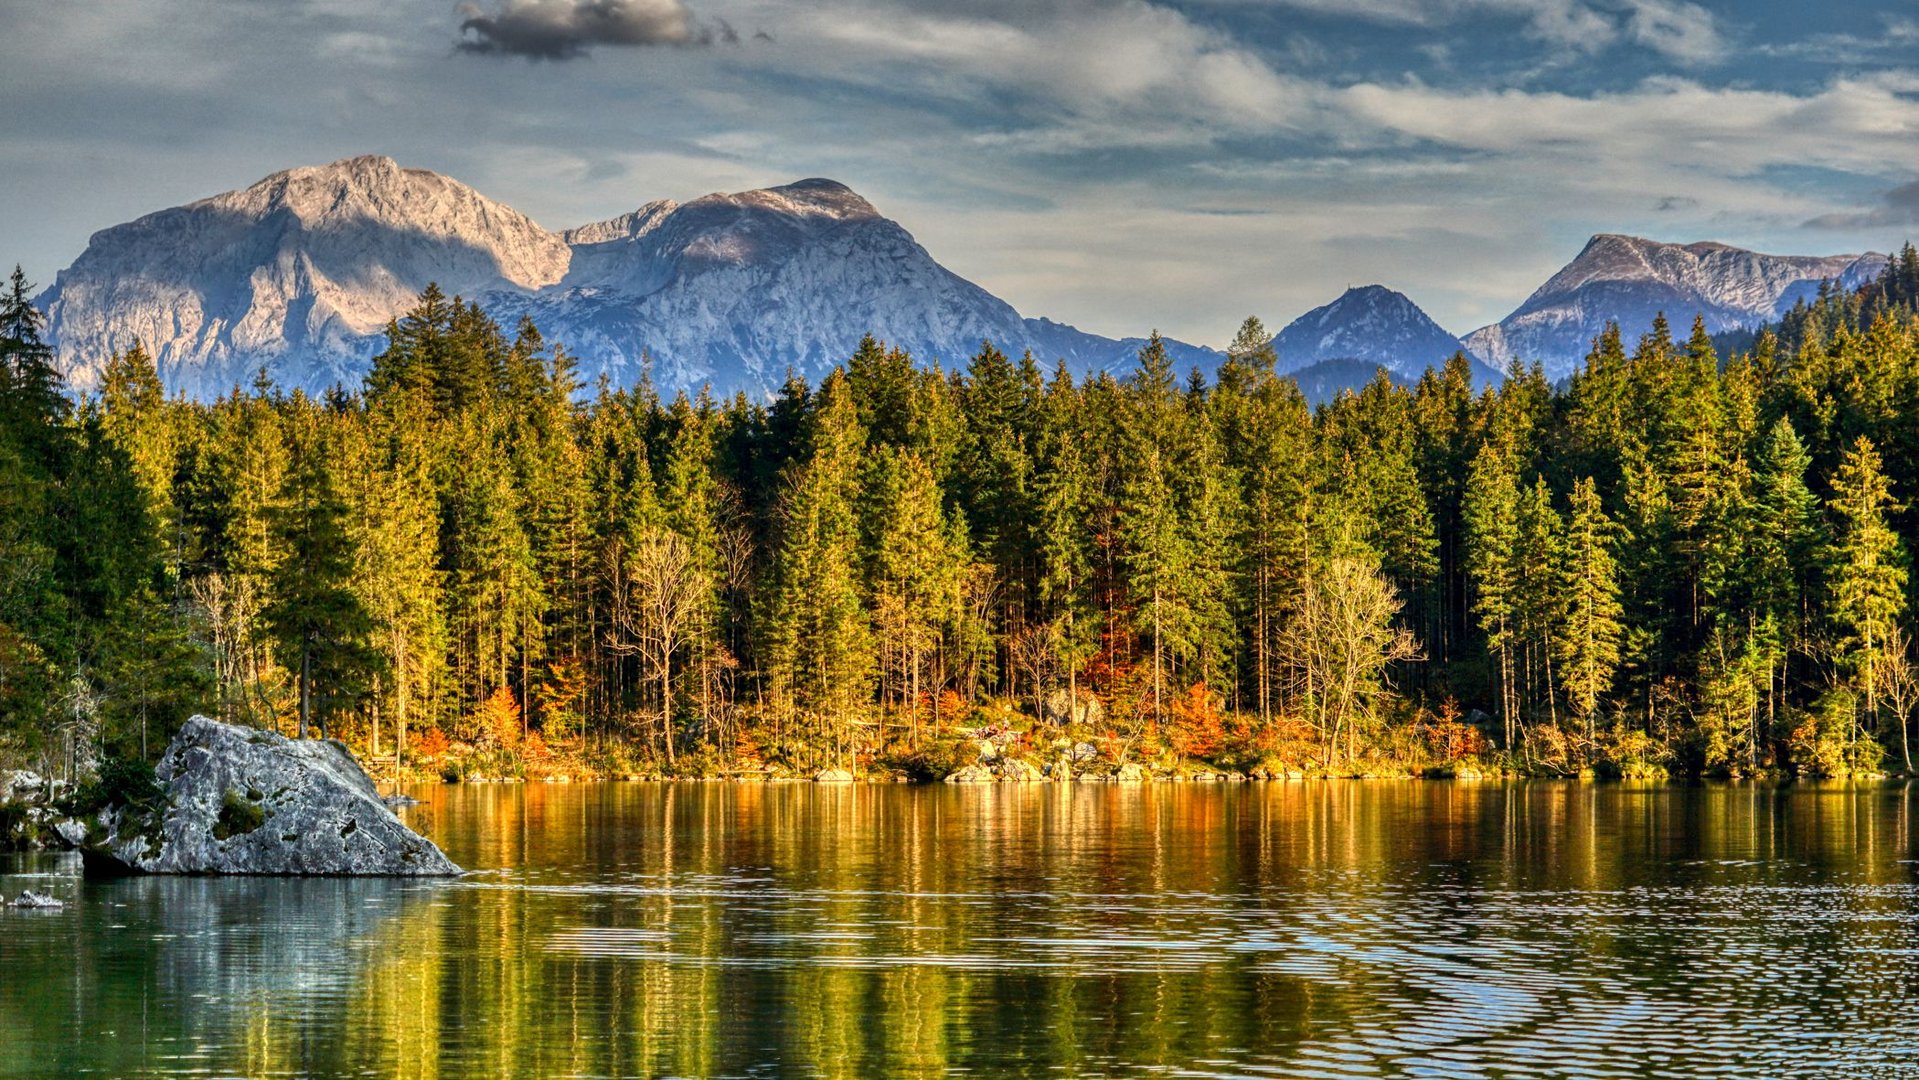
(306, 691)
(666, 700)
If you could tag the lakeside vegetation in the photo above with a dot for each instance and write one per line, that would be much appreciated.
(1675, 564)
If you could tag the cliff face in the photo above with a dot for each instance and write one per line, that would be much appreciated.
(300, 273)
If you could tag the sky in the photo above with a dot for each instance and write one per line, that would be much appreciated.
(1117, 164)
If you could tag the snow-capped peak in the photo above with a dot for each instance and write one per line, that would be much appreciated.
(1630, 279)
(301, 272)
(1371, 323)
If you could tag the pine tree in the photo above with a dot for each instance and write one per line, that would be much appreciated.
(318, 623)
(1784, 542)
(33, 402)
(1587, 643)
(816, 652)
(1173, 525)
(1491, 516)
(1865, 570)
(1067, 501)
(916, 570)
(394, 525)
(1539, 607)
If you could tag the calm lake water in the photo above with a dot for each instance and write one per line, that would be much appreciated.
(1281, 929)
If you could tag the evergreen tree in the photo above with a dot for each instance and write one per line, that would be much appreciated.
(319, 625)
(816, 652)
(1866, 569)
(1587, 644)
(916, 570)
(1491, 516)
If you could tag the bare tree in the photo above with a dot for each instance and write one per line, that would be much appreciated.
(659, 604)
(1900, 685)
(1343, 640)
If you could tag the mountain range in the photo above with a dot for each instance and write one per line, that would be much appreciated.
(1629, 280)
(300, 273)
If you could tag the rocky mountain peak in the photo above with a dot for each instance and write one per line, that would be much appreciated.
(296, 272)
(1371, 323)
(1631, 279)
(625, 227)
(814, 198)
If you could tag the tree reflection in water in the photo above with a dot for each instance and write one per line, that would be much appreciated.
(1302, 928)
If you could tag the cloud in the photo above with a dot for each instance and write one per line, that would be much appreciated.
(1057, 78)
(1678, 29)
(565, 29)
(1862, 125)
(1892, 42)
(1898, 207)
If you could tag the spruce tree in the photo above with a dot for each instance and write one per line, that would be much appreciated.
(1491, 517)
(1865, 570)
(320, 627)
(1587, 642)
(816, 651)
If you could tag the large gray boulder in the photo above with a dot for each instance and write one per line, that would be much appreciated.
(243, 801)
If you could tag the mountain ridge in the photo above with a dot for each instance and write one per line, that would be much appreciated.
(1341, 344)
(1630, 279)
(300, 272)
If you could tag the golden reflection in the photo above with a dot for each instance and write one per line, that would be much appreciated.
(630, 929)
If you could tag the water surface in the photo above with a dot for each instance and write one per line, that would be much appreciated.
(1355, 928)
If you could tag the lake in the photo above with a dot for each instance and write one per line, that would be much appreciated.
(1343, 928)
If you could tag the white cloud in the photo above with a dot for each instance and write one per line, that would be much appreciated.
(1680, 30)
(1867, 124)
(1074, 156)
(1675, 28)
(1126, 72)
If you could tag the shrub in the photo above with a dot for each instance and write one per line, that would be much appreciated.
(123, 782)
(239, 815)
(1198, 727)
(933, 761)
(15, 830)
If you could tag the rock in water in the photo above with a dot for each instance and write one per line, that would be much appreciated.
(971, 774)
(31, 899)
(244, 801)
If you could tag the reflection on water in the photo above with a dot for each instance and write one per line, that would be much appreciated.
(1284, 929)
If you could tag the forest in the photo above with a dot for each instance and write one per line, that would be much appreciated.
(1675, 563)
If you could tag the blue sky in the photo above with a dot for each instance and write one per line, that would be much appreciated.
(1117, 164)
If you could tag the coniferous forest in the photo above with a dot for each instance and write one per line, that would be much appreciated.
(1691, 558)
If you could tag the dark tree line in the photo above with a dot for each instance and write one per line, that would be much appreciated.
(1677, 560)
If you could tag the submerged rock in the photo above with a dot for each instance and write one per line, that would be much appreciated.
(243, 801)
(31, 899)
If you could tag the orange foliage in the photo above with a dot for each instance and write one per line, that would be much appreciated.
(1448, 738)
(499, 718)
(561, 695)
(746, 749)
(1198, 726)
(951, 706)
(430, 743)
